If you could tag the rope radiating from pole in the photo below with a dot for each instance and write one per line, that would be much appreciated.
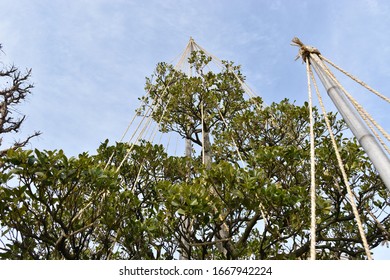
(234, 142)
(202, 125)
(121, 139)
(363, 113)
(312, 55)
(312, 170)
(221, 65)
(355, 123)
(344, 174)
(387, 99)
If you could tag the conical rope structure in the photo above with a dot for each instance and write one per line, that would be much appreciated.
(144, 124)
(355, 120)
(148, 127)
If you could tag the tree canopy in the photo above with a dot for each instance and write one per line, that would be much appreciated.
(250, 201)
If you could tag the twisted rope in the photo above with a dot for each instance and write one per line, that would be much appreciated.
(364, 114)
(312, 171)
(343, 172)
(304, 50)
(355, 79)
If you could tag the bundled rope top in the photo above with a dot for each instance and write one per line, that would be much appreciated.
(304, 51)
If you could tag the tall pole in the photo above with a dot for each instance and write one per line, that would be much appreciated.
(185, 254)
(368, 142)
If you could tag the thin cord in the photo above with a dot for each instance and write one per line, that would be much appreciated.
(344, 174)
(356, 79)
(312, 170)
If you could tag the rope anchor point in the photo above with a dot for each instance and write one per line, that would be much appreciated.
(304, 50)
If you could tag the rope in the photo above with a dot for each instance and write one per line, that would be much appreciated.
(304, 50)
(246, 88)
(136, 141)
(363, 113)
(252, 95)
(177, 144)
(264, 214)
(344, 174)
(355, 79)
(168, 142)
(365, 118)
(312, 170)
(202, 124)
(378, 223)
(152, 108)
(121, 139)
(368, 119)
(224, 228)
(103, 193)
(184, 55)
(221, 65)
(151, 139)
(234, 142)
(161, 118)
(150, 111)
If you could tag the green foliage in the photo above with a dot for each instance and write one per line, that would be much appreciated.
(251, 202)
(179, 98)
(40, 208)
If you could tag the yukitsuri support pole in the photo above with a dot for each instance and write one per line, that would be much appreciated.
(354, 121)
(185, 255)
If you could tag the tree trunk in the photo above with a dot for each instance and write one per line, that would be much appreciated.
(207, 160)
(206, 149)
(186, 249)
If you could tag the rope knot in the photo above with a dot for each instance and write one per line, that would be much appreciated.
(304, 50)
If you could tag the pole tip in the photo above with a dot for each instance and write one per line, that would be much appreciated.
(304, 50)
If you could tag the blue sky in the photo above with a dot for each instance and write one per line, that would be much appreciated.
(90, 58)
